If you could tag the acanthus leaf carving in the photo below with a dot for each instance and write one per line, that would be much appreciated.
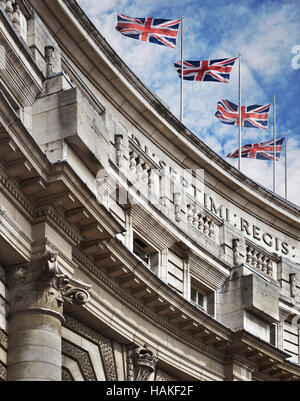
(47, 288)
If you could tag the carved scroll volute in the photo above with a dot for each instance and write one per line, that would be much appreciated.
(41, 285)
(74, 291)
(141, 364)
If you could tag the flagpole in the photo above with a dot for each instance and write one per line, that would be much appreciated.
(181, 82)
(285, 167)
(274, 144)
(240, 116)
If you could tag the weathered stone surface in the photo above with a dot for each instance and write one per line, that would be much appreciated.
(195, 275)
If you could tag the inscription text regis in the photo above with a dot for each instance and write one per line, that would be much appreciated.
(252, 230)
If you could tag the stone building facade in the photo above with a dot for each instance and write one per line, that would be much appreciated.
(129, 250)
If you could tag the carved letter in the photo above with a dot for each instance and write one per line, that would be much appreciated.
(266, 241)
(245, 226)
(256, 231)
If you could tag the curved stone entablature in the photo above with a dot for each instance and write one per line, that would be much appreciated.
(182, 252)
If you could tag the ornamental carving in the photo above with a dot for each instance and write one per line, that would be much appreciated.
(105, 345)
(41, 285)
(3, 372)
(141, 363)
(3, 340)
(66, 375)
(82, 358)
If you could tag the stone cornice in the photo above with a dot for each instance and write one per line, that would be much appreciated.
(130, 260)
(261, 345)
(99, 276)
(241, 361)
(18, 237)
(18, 198)
(64, 172)
(54, 218)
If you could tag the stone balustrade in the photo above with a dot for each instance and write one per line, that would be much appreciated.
(201, 220)
(139, 168)
(259, 260)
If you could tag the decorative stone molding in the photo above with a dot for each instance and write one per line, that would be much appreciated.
(6, 183)
(141, 363)
(3, 340)
(104, 344)
(66, 375)
(81, 357)
(60, 222)
(41, 285)
(3, 372)
(139, 306)
(238, 359)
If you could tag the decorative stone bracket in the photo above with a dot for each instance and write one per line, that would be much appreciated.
(141, 363)
(41, 285)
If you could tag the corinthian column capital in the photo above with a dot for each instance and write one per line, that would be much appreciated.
(40, 285)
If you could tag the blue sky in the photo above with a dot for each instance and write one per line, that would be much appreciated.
(266, 33)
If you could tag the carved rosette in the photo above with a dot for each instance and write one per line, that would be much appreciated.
(41, 285)
(141, 363)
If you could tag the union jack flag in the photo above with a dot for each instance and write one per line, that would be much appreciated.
(252, 116)
(261, 151)
(209, 70)
(155, 30)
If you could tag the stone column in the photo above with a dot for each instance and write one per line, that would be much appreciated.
(37, 294)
